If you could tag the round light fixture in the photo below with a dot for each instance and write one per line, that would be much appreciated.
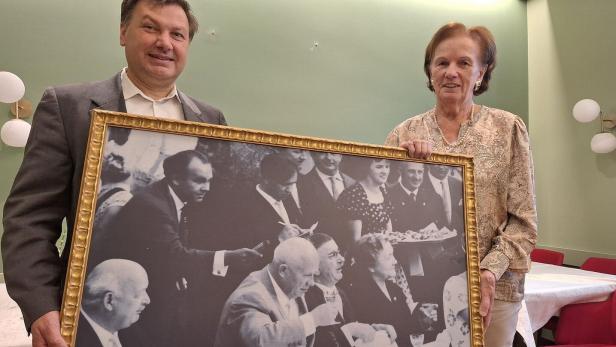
(586, 110)
(13, 87)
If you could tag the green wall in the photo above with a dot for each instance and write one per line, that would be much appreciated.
(571, 56)
(364, 77)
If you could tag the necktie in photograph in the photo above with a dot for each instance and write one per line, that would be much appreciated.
(335, 190)
(184, 225)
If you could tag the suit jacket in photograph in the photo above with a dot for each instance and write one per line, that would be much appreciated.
(147, 230)
(256, 221)
(253, 317)
(331, 335)
(435, 201)
(46, 188)
(319, 205)
(411, 214)
(372, 306)
(86, 337)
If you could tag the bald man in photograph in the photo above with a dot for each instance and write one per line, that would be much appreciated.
(268, 307)
(114, 296)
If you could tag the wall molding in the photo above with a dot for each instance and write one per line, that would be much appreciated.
(577, 256)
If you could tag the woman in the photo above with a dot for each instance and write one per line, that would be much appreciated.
(365, 204)
(459, 62)
(373, 295)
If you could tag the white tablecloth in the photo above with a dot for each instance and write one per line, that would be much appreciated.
(12, 331)
(548, 288)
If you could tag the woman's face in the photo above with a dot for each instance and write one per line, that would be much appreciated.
(385, 267)
(379, 171)
(455, 68)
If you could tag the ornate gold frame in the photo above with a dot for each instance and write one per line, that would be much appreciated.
(100, 122)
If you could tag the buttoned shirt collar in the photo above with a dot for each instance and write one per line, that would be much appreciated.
(129, 90)
(408, 192)
(104, 335)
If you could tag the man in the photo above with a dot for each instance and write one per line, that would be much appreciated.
(156, 35)
(114, 296)
(151, 229)
(298, 157)
(267, 209)
(347, 330)
(441, 194)
(320, 188)
(445, 191)
(268, 308)
(411, 208)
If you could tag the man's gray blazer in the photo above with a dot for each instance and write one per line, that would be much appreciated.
(46, 189)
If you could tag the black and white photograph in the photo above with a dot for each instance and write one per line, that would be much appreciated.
(199, 241)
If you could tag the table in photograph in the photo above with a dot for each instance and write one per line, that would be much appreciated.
(549, 287)
(12, 331)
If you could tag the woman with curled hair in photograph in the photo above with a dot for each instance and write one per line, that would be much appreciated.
(365, 205)
(372, 292)
(458, 63)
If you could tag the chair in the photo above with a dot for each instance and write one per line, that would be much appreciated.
(588, 323)
(603, 265)
(547, 256)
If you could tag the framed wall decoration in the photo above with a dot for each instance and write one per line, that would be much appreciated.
(181, 232)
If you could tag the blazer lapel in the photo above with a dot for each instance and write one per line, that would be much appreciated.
(107, 95)
(277, 311)
(191, 111)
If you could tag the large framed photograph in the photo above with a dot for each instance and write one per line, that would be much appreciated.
(191, 234)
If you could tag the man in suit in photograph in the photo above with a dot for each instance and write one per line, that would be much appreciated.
(152, 230)
(346, 330)
(156, 36)
(266, 213)
(268, 307)
(411, 208)
(444, 191)
(298, 157)
(114, 296)
(319, 189)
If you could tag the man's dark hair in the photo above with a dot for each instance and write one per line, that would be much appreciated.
(175, 165)
(319, 239)
(128, 6)
(277, 168)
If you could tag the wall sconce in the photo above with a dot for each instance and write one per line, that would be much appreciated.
(587, 110)
(15, 132)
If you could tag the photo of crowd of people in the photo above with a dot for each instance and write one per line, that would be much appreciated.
(206, 242)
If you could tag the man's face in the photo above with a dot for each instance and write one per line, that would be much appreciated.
(296, 279)
(281, 191)
(129, 304)
(439, 171)
(196, 183)
(411, 175)
(330, 264)
(155, 41)
(327, 163)
(297, 156)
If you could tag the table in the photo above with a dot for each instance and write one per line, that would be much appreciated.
(12, 331)
(549, 287)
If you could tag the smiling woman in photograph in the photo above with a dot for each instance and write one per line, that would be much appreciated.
(458, 63)
(365, 205)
